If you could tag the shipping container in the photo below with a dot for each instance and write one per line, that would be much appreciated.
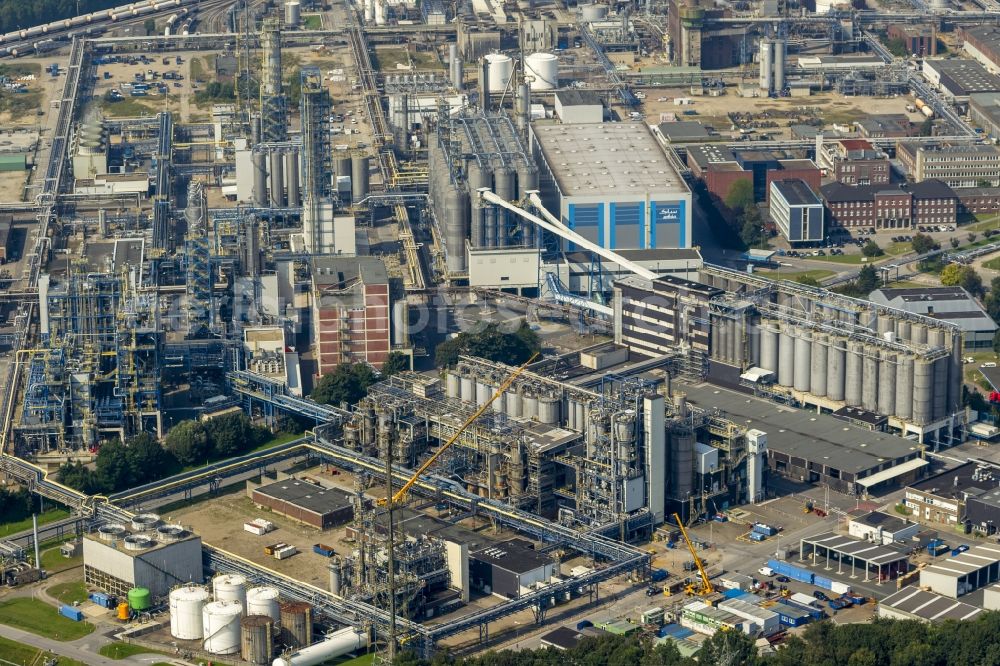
(821, 581)
(757, 536)
(792, 571)
(71, 612)
(100, 599)
(254, 529)
(325, 551)
(285, 552)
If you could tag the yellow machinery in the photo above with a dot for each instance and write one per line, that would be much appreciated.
(401, 494)
(706, 585)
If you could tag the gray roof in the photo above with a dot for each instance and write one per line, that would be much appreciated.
(578, 98)
(342, 271)
(951, 304)
(512, 556)
(307, 495)
(858, 549)
(929, 606)
(607, 158)
(805, 434)
(684, 129)
(796, 192)
(961, 481)
(884, 520)
(962, 77)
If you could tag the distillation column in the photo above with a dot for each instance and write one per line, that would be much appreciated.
(273, 110)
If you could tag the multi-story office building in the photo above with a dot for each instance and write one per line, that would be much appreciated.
(957, 166)
(884, 207)
(796, 211)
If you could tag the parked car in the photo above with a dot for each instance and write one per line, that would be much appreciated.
(782, 579)
(819, 595)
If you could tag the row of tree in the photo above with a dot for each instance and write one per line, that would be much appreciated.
(143, 459)
(349, 382)
(494, 342)
(16, 504)
(878, 643)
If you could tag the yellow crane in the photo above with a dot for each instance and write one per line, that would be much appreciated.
(401, 494)
(706, 584)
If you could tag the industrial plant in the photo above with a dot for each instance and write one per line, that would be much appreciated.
(305, 221)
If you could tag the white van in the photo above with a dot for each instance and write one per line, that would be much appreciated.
(765, 571)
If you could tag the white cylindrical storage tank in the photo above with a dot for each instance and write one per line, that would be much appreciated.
(803, 360)
(779, 64)
(453, 386)
(548, 409)
(230, 587)
(869, 384)
(786, 356)
(483, 393)
(336, 645)
(221, 627)
(766, 60)
(501, 70)
(904, 386)
(513, 399)
(544, 68)
(264, 601)
(186, 606)
(854, 375)
(293, 14)
(468, 389)
(835, 368)
(379, 12)
(529, 406)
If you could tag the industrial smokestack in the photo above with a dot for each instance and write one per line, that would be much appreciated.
(484, 86)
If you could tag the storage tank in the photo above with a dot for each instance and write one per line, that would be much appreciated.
(468, 389)
(869, 386)
(923, 385)
(342, 166)
(221, 627)
(853, 377)
(139, 599)
(904, 386)
(803, 359)
(292, 178)
(456, 229)
(591, 13)
(548, 409)
(786, 356)
(293, 14)
(500, 71)
(277, 180)
(513, 400)
(887, 383)
(257, 639)
(336, 645)
(483, 392)
(296, 624)
(453, 385)
(779, 64)
(769, 345)
(820, 362)
(359, 177)
(264, 601)
(544, 70)
(230, 587)
(835, 370)
(766, 60)
(529, 405)
(259, 159)
(681, 463)
(940, 393)
(186, 606)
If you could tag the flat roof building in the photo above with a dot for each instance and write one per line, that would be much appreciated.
(305, 501)
(796, 211)
(118, 563)
(509, 569)
(984, 111)
(982, 42)
(957, 166)
(952, 304)
(612, 184)
(966, 572)
(854, 557)
(579, 106)
(957, 78)
(942, 498)
(879, 527)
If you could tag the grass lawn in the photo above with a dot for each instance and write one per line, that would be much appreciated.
(387, 59)
(280, 439)
(993, 264)
(19, 653)
(124, 650)
(49, 516)
(363, 660)
(896, 249)
(40, 618)
(312, 22)
(840, 258)
(69, 593)
(53, 561)
(971, 371)
(426, 60)
(906, 284)
(21, 69)
(984, 222)
(818, 274)
(126, 108)
(197, 69)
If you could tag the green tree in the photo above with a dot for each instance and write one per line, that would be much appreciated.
(954, 243)
(728, 648)
(965, 277)
(113, 471)
(751, 226)
(927, 127)
(867, 279)
(188, 442)
(872, 250)
(230, 434)
(972, 237)
(807, 280)
(149, 25)
(996, 342)
(740, 195)
(863, 657)
(77, 475)
(147, 460)
(923, 243)
(492, 343)
(395, 363)
(348, 383)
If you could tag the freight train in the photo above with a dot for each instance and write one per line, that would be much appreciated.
(24, 41)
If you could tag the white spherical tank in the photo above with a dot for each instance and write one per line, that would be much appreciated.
(221, 627)
(264, 601)
(544, 70)
(186, 607)
(501, 69)
(230, 587)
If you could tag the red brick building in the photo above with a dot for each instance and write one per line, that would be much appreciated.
(890, 207)
(917, 40)
(351, 305)
(804, 170)
(978, 200)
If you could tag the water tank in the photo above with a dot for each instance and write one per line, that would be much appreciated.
(501, 70)
(359, 177)
(186, 607)
(336, 645)
(221, 627)
(296, 624)
(593, 13)
(256, 639)
(264, 601)
(111, 532)
(139, 598)
(230, 587)
(293, 14)
(544, 68)
(548, 409)
(766, 58)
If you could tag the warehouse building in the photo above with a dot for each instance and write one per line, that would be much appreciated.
(957, 78)
(951, 304)
(983, 43)
(759, 621)
(509, 569)
(853, 557)
(879, 527)
(612, 184)
(579, 106)
(308, 502)
(117, 559)
(984, 111)
(796, 211)
(912, 603)
(991, 597)
(966, 572)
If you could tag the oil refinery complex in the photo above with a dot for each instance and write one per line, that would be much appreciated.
(215, 204)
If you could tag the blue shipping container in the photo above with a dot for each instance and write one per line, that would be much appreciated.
(757, 536)
(71, 612)
(814, 612)
(99, 598)
(792, 571)
(825, 583)
(732, 594)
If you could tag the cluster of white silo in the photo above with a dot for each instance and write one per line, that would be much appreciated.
(772, 64)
